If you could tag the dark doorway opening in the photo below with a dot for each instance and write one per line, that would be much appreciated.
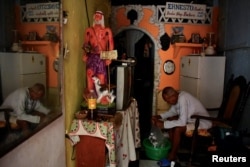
(144, 82)
(143, 51)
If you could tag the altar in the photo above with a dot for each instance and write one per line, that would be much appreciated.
(118, 139)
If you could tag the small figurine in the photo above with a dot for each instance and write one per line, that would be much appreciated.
(103, 94)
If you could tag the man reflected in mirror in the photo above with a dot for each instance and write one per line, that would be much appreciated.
(28, 111)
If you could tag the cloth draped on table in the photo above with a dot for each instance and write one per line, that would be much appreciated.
(103, 130)
(127, 137)
(121, 142)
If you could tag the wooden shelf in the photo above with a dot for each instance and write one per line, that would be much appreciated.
(178, 46)
(36, 42)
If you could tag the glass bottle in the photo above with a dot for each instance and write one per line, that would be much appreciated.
(92, 102)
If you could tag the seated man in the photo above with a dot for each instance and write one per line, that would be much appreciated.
(27, 109)
(178, 118)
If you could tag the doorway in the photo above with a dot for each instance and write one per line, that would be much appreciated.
(139, 45)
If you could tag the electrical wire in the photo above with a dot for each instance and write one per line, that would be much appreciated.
(87, 13)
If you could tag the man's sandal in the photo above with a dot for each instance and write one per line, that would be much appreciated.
(164, 163)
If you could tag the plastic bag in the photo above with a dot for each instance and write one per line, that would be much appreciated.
(156, 137)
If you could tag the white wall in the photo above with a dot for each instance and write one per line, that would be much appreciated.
(44, 149)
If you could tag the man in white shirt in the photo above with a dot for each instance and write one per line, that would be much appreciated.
(27, 109)
(178, 118)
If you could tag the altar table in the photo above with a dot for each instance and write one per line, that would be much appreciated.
(120, 142)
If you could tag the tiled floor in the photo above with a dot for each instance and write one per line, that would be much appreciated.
(144, 161)
(148, 163)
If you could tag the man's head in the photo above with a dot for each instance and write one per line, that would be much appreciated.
(37, 91)
(170, 95)
(98, 18)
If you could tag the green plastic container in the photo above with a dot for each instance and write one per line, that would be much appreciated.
(156, 153)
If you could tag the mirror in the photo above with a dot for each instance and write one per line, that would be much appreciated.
(30, 48)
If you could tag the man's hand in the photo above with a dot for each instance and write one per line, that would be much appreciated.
(156, 117)
(84, 58)
(157, 122)
(41, 115)
(108, 62)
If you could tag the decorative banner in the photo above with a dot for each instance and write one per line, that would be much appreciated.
(42, 10)
(185, 11)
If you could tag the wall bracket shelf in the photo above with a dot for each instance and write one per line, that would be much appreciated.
(37, 42)
(178, 46)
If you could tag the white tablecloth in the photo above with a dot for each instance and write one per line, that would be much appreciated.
(127, 137)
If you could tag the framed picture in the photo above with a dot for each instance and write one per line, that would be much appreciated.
(32, 36)
(195, 38)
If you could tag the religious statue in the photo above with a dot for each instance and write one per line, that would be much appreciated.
(97, 38)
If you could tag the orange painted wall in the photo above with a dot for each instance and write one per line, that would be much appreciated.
(51, 51)
(168, 80)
